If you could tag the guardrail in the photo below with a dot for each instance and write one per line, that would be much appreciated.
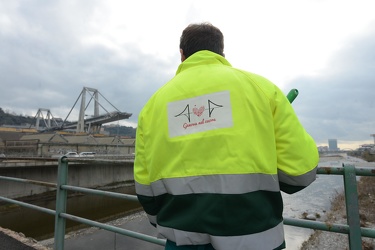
(353, 229)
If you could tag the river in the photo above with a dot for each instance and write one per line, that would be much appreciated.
(40, 225)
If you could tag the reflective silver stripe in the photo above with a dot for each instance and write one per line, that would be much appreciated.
(152, 218)
(213, 184)
(143, 189)
(269, 239)
(300, 180)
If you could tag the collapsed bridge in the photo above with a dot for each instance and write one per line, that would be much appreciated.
(86, 124)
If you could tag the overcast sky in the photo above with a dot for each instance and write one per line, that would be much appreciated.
(50, 50)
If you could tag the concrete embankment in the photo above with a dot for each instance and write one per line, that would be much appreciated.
(98, 239)
(89, 173)
(11, 240)
(91, 238)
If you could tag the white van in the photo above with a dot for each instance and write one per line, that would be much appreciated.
(87, 154)
(71, 154)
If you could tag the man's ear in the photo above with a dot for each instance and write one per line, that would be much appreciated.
(182, 55)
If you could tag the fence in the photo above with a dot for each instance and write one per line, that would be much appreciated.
(353, 229)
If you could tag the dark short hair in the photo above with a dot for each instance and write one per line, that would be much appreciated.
(203, 36)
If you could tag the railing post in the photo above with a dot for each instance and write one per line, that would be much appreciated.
(61, 196)
(352, 207)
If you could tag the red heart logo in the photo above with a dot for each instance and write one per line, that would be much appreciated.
(198, 112)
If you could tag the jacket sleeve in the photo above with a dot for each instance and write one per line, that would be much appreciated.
(141, 176)
(297, 154)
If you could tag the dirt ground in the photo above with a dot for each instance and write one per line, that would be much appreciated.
(321, 240)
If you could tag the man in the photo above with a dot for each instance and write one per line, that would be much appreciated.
(214, 147)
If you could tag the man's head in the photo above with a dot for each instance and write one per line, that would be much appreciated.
(204, 36)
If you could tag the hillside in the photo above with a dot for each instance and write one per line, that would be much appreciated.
(121, 130)
(13, 119)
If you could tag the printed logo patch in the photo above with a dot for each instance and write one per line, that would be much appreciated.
(199, 114)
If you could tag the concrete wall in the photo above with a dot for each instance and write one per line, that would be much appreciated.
(45, 150)
(50, 149)
(90, 175)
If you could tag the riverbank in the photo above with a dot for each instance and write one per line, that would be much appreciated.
(321, 240)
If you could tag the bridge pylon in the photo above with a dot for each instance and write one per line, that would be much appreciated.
(93, 123)
(47, 119)
(81, 118)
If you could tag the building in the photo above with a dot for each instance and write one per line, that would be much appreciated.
(332, 145)
(322, 149)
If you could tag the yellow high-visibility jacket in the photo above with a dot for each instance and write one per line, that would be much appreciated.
(214, 147)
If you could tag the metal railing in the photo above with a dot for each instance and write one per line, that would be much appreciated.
(353, 229)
